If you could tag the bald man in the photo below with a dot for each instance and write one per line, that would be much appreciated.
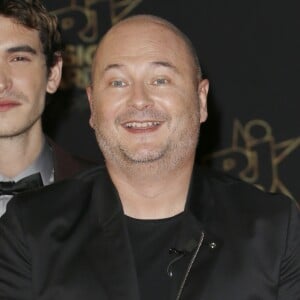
(150, 224)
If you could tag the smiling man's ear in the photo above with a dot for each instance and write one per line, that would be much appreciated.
(89, 91)
(55, 76)
(203, 88)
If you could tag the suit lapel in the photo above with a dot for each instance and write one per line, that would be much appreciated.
(108, 250)
(197, 220)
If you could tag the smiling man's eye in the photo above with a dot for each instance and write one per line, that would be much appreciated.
(118, 83)
(160, 81)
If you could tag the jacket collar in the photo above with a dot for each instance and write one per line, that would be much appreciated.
(198, 214)
(197, 223)
(109, 251)
(66, 165)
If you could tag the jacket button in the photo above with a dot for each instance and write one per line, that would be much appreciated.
(212, 245)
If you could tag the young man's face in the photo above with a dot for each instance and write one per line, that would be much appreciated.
(24, 79)
(146, 106)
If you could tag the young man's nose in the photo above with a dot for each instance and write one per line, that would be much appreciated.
(5, 80)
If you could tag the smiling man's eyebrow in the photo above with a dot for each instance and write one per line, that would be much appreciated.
(165, 64)
(113, 66)
(153, 63)
(21, 48)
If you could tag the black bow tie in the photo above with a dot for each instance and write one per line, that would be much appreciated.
(25, 184)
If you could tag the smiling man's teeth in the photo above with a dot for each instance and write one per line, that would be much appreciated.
(141, 124)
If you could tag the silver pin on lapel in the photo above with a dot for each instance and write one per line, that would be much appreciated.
(212, 245)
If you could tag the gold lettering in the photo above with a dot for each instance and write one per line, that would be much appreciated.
(77, 65)
(70, 57)
(79, 55)
(89, 53)
(75, 77)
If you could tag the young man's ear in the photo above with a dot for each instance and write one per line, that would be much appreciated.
(55, 76)
(203, 88)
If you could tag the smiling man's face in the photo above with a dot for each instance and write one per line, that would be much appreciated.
(145, 101)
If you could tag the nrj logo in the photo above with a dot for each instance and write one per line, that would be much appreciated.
(80, 22)
(255, 156)
(83, 16)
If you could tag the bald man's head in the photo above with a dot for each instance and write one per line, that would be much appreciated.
(147, 20)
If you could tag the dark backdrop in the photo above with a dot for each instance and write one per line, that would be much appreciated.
(249, 51)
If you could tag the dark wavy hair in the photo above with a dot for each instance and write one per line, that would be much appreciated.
(33, 15)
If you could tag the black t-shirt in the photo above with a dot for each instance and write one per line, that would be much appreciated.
(151, 241)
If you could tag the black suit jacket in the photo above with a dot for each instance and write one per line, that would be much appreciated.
(69, 241)
(65, 164)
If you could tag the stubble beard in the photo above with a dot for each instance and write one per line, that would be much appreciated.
(170, 156)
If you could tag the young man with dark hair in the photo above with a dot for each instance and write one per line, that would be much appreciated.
(30, 67)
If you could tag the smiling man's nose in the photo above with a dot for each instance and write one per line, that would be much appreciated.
(139, 97)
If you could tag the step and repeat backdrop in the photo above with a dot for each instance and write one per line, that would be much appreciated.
(249, 51)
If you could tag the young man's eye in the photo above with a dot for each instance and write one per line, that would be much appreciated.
(118, 83)
(20, 58)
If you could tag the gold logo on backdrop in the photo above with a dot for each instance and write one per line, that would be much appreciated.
(89, 14)
(119, 9)
(80, 20)
(255, 156)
